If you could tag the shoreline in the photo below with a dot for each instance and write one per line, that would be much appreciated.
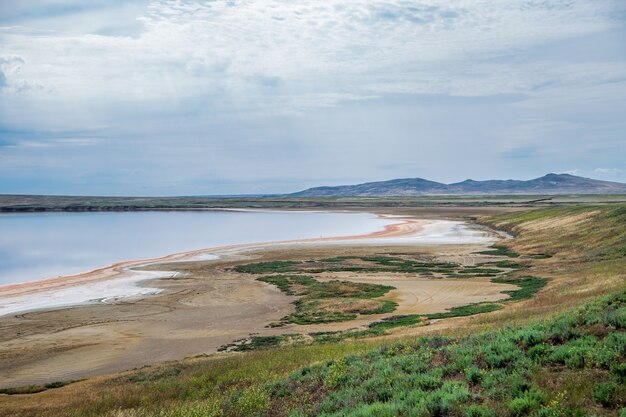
(95, 286)
(125, 270)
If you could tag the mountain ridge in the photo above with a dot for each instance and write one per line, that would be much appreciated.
(548, 184)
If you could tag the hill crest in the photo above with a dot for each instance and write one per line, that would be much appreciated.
(548, 184)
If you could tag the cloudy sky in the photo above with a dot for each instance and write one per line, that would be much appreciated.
(259, 96)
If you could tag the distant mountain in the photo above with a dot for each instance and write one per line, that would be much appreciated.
(548, 184)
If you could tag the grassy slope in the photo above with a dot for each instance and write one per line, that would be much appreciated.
(501, 373)
(588, 244)
(589, 248)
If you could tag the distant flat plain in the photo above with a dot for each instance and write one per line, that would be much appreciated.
(25, 203)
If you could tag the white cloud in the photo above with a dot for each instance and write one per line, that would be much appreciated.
(327, 48)
(54, 143)
(240, 89)
(609, 171)
(575, 171)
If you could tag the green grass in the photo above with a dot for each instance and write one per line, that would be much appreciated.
(267, 267)
(385, 307)
(529, 286)
(262, 342)
(387, 264)
(500, 250)
(467, 310)
(33, 389)
(506, 264)
(377, 328)
(286, 283)
(540, 256)
(329, 301)
(571, 365)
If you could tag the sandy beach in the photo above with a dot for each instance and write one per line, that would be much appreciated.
(201, 303)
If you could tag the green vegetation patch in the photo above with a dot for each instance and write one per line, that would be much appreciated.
(263, 342)
(392, 322)
(539, 256)
(505, 264)
(467, 310)
(330, 301)
(156, 374)
(529, 286)
(373, 264)
(500, 251)
(34, 389)
(268, 267)
(377, 328)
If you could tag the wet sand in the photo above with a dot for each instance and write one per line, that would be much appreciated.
(204, 306)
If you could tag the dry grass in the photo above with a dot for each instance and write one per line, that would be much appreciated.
(348, 305)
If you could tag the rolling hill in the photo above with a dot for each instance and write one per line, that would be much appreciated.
(548, 184)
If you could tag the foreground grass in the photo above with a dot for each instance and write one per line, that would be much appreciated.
(491, 374)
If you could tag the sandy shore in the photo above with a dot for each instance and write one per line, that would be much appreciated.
(203, 304)
(404, 228)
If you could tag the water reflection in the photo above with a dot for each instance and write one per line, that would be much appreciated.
(44, 245)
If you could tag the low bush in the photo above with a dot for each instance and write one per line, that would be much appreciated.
(605, 394)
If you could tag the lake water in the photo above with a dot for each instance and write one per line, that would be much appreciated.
(45, 245)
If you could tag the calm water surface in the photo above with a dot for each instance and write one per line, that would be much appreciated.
(45, 245)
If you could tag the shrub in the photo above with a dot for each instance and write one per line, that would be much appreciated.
(452, 393)
(561, 331)
(473, 374)
(539, 352)
(604, 393)
(426, 382)
(619, 371)
(526, 403)
(500, 251)
(336, 374)
(531, 337)
(576, 353)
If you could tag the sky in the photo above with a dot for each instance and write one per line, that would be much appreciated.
(273, 96)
